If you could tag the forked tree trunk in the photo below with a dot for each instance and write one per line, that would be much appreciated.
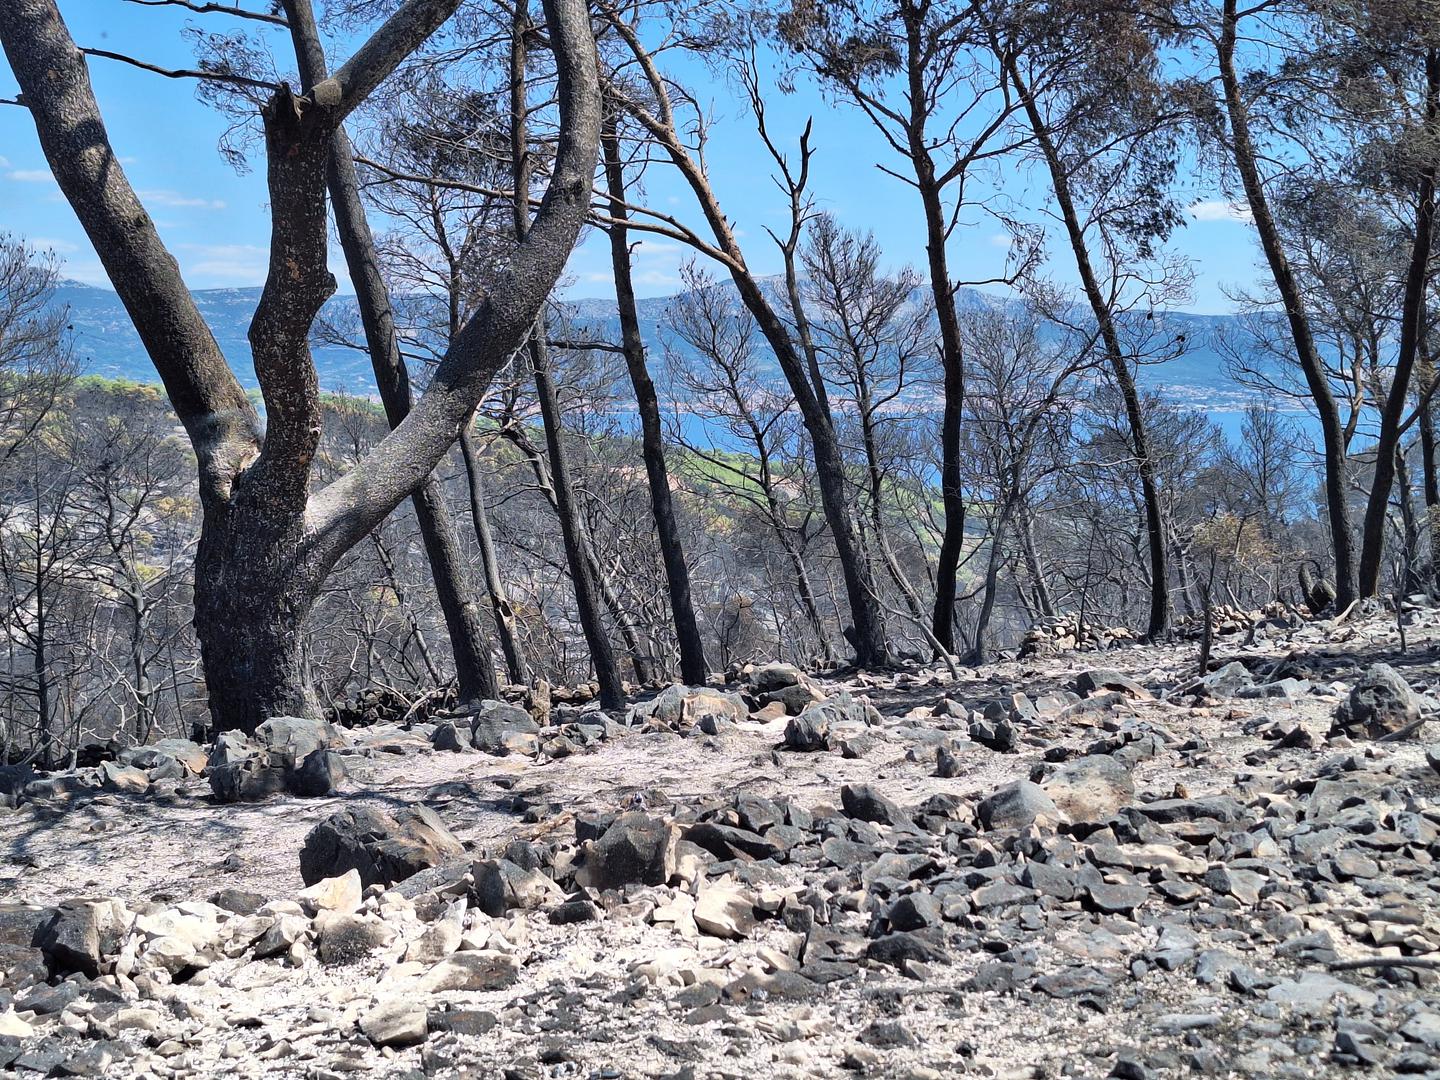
(474, 668)
(253, 593)
(693, 668)
(267, 541)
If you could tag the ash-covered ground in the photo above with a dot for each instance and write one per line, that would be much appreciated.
(1087, 864)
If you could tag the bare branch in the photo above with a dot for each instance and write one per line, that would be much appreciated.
(181, 73)
(219, 9)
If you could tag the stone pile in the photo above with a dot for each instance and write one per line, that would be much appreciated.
(1068, 633)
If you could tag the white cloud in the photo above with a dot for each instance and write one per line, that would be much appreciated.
(227, 264)
(656, 278)
(174, 198)
(59, 247)
(1219, 210)
(32, 176)
(4, 162)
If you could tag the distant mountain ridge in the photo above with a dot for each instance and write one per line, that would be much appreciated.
(106, 342)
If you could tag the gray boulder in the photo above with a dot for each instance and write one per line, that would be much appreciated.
(247, 780)
(1091, 788)
(681, 708)
(498, 728)
(385, 847)
(863, 802)
(319, 774)
(82, 934)
(635, 850)
(1016, 806)
(297, 737)
(1381, 703)
(768, 678)
(1101, 679)
(447, 736)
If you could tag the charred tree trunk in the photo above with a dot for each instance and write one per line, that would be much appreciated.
(980, 643)
(253, 592)
(1332, 430)
(693, 668)
(504, 613)
(1043, 599)
(871, 649)
(602, 656)
(1417, 282)
(1159, 619)
(952, 353)
(267, 542)
(1430, 477)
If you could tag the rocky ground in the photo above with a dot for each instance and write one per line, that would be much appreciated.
(1083, 864)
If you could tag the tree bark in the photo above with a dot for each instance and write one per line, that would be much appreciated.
(693, 668)
(1332, 430)
(474, 667)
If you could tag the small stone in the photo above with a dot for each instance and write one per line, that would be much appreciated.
(341, 893)
(1018, 805)
(395, 1023)
(724, 910)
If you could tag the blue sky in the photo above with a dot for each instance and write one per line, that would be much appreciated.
(215, 221)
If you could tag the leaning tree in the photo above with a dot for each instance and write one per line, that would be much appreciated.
(267, 539)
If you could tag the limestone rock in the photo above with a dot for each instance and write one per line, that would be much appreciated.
(474, 969)
(725, 910)
(500, 885)
(319, 774)
(498, 728)
(395, 1023)
(1018, 805)
(247, 780)
(345, 937)
(297, 737)
(341, 893)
